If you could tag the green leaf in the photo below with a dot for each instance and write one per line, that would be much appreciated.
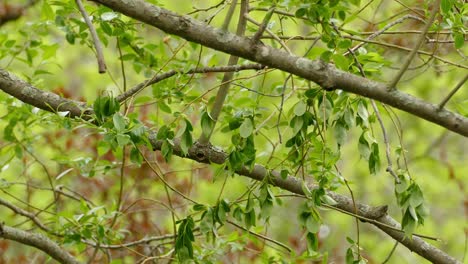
(106, 28)
(297, 123)
(363, 147)
(166, 150)
(186, 141)
(344, 44)
(349, 118)
(284, 174)
(250, 204)
(164, 107)
(185, 237)
(199, 207)
(9, 43)
(300, 108)
(408, 224)
(165, 133)
(236, 160)
(135, 156)
(207, 123)
(341, 61)
(416, 198)
(374, 159)
(47, 11)
(362, 112)
(49, 51)
(119, 122)
(459, 39)
(122, 139)
(249, 219)
(340, 134)
(401, 187)
(70, 37)
(349, 256)
(312, 225)
(446, 5)
(413, 213)
(246, 129)
(300, 12)
(206, 221)
(312, 242)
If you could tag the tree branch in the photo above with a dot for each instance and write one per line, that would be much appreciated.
(97, 43)
(325, 75)
(38, 241)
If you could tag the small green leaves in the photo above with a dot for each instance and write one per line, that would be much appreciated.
(244, 152)
(310, 218)
(104, 107)
(411, 201)
(166, 135)
(185, 237)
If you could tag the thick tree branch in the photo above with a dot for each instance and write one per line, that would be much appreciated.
(38, 241)
(325, 75)
(206, 153)
(29, 94)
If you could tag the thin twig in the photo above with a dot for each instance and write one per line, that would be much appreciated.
(164, 181)
(261, 236)
(375, 222)
(27, 214)
(409, 59)
(273, 35)
(377, 33)
(386, 142)
(391, 253)
(447, 98)
(97, 43)
(255, 91)
(256, 37)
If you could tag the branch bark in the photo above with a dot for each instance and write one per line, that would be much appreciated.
(325, 75)
(38, 241)
(206, 153)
